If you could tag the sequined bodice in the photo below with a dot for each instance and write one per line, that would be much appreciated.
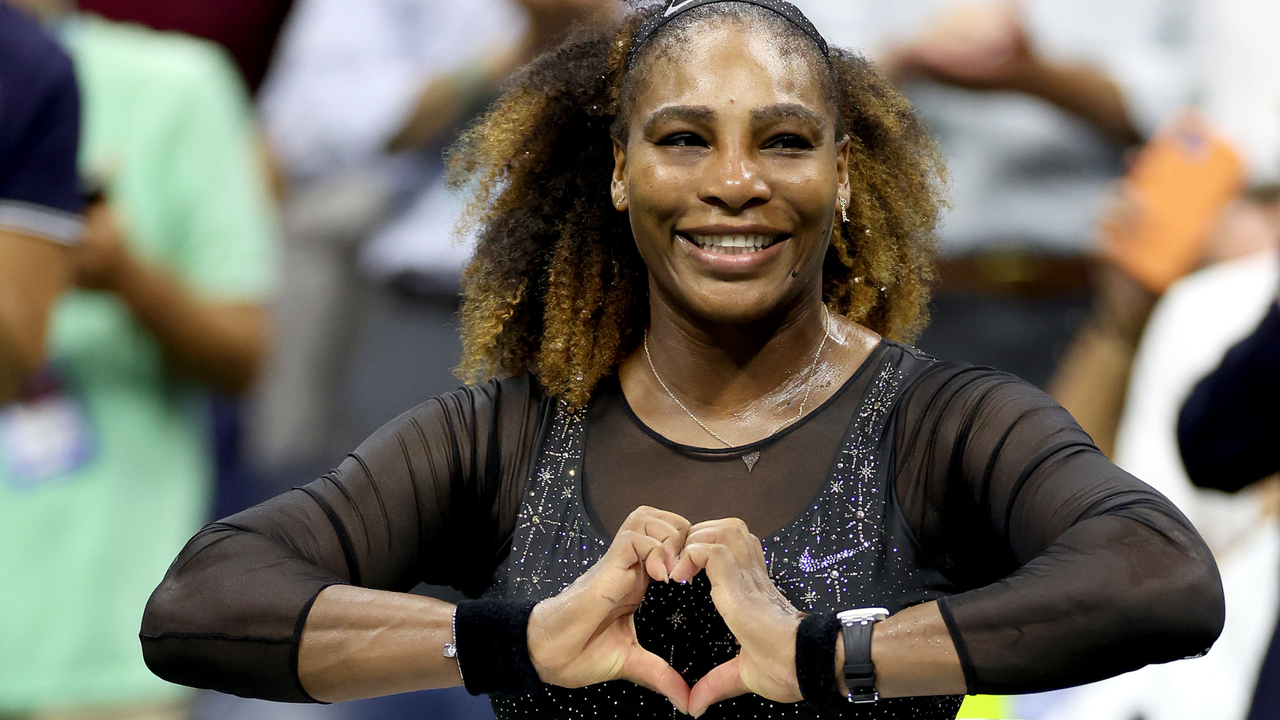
(851, 548)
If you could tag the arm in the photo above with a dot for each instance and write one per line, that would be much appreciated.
(222, 344)
(1228, 426)
(988, 48)
(450, 100)
(1077, 570)
(33, 272)
(430, 497)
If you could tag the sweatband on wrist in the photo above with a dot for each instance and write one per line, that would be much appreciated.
(816, 661)
(493, 646)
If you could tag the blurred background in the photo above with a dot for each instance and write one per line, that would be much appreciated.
(271, 171)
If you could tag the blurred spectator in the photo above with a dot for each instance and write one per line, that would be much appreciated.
(246, 28)
(1034, 104)
(177, 261)
(359, 106)
(39, 195)
(1227, 433)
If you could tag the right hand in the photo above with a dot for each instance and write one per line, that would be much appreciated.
(102, 258)
(587, 633)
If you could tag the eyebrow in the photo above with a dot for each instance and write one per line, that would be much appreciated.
(781, 111)
(686, 113)
(704, 114)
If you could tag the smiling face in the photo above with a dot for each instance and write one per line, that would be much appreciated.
(731, 173)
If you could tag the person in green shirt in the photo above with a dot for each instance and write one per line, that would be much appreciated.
(105, 465)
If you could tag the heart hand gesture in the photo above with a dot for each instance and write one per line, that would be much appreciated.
(758, 615)
(587, 634)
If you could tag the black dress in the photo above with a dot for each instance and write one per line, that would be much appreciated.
(917, 480)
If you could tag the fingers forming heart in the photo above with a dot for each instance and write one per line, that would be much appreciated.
(586, 634)
(760, 617)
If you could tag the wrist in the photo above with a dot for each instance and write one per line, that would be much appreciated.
(492, 647)
(816, 668)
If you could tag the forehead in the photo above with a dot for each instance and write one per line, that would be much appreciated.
(730, 65)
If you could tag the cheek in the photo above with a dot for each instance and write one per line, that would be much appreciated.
(659, 192)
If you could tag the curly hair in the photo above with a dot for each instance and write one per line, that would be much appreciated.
(557, 287)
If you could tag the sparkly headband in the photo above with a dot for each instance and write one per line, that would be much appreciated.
(675, 8)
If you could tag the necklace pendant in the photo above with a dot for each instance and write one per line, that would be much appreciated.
(750, 459)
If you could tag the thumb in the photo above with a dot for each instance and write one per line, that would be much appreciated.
(723, 682)
(648, 670)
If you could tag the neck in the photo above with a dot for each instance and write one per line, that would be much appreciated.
(722, 369)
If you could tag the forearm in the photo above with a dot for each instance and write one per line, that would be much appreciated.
(444, 103)
(1084, 91)
(1116, 592)
(222, 345)
(913, 655)
(361, 643)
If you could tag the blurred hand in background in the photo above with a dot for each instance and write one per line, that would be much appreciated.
(987, 47)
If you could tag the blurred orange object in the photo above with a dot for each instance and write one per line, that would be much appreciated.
(1181, 182)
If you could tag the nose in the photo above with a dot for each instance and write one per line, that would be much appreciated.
(732, 180)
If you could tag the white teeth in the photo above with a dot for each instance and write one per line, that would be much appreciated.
(732, 244)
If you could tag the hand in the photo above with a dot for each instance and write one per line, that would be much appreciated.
(984, 47)
(587, 633)
(101, 259)
(763, 621)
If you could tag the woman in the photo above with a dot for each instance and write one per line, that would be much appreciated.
(695, 230)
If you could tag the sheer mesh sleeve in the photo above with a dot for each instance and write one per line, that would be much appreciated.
(1072, 569)
(430, 497)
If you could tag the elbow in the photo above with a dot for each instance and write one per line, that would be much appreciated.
(1209, 608)
(1194, 609)
(161, 623)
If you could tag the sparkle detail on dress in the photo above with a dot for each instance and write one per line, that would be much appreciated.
(845, 551)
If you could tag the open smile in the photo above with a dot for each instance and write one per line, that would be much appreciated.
(743, 244)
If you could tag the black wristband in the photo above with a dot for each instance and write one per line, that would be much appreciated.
(493, 647)
(816, 661)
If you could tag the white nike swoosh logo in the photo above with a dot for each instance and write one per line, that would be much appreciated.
(808, 564)
(676, 8)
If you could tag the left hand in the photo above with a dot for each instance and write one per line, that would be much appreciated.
(763, 621)
(100, 260)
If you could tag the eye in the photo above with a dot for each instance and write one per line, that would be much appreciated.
(789, 141)
(683, 139)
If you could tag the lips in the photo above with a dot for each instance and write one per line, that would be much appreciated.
(743, 244)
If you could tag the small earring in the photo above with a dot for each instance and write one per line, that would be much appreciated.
(844, 214)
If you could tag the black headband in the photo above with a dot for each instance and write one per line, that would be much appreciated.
(675, 8)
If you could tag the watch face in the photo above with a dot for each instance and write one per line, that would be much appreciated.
(858, 615)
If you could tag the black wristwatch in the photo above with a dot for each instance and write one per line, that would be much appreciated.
(859, 671)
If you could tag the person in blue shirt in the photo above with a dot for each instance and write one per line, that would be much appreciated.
(39, 192)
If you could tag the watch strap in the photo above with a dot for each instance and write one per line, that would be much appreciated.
(859, 671)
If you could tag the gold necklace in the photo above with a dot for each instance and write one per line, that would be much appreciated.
(751, 457)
